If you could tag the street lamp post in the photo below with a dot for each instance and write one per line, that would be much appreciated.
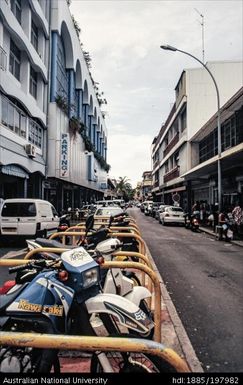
(170, 48)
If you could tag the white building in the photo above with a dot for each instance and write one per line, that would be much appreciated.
(47, 98)
(24, 34)
(196, 101)
(75, 173)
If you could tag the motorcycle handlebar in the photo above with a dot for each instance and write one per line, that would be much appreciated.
(30, 265)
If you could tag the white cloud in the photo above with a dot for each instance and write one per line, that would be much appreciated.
(137, 77)
(130, 156)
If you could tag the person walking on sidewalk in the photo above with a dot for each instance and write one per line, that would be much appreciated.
(223, 221)
(238, 217)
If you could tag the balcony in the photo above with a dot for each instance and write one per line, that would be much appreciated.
(172, 174)
(171, 144)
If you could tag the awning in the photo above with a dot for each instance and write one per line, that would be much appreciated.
(13, 170)
(176, 189)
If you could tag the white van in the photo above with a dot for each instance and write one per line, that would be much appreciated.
(27, 218)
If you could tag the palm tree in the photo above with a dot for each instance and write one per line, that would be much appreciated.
(124, 188)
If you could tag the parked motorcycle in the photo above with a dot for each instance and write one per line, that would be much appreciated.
(61, 298)
(116, 281)
(191, 222)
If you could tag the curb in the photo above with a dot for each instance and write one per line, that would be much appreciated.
(172, 330)
(210, 232)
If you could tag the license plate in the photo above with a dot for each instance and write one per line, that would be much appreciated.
(9, 229)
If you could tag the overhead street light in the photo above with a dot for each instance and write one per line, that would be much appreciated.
(170, 48)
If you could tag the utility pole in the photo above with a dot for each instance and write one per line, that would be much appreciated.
(202, 25)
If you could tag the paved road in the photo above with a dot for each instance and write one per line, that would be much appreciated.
(204, 279)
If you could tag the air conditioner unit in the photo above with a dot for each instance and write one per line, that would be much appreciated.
(30, 150)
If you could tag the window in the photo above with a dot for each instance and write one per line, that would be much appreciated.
(35, 134)
(13, 118)
(183, 120)
(166, 167)
(33, 82)
(62, 81)
(14, 60)
(19, 210)
(16, 9)
(34, 35)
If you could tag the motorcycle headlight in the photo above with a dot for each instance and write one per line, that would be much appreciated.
(90, 277)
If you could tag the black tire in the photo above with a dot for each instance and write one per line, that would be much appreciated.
(29, 360)
(141, 363)
(41, 360)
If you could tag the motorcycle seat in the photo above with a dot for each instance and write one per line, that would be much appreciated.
(7, 299)
(52, 243)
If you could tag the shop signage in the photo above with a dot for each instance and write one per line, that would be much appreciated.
(64, 151)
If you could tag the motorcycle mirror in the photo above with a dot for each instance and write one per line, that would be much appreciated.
(89, 222)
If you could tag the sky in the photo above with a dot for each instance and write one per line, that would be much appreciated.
(137, 77)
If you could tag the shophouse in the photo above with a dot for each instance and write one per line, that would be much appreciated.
(146, 185)
(203, 174)
(174, 154)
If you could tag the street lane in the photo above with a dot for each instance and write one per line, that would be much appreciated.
(204, 280)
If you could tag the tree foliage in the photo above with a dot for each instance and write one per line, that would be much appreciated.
(124, 188)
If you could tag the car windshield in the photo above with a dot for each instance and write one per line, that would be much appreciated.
(176, 209)
(106, 211)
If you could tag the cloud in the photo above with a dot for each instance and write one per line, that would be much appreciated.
(137, 77)
(130, 156)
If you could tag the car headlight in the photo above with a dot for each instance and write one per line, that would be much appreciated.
(90, 277)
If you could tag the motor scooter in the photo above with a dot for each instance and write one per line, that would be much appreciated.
(61, 298)
(191, 222)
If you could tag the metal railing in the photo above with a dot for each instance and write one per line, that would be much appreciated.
(93, 344)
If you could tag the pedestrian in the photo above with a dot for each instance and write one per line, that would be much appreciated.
(196, 208)
(224, 222)
(237, 217)
(215, 216)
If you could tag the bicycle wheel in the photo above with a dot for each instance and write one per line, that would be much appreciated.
(132, 363)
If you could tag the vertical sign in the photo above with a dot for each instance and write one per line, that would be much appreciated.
(64, 150)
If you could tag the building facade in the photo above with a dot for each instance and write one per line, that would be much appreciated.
(173, 152)
(53, 138)
(24, 57)
(146, 185)
(203, 175)
(77, 135)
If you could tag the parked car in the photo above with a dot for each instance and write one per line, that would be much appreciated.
(22, 218)
(172, 214)
(155, 206)
(147, 207)
(160, 210)
(108, 211)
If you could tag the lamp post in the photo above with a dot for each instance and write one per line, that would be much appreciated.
(170, 48)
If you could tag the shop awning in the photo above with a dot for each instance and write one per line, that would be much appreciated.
(14, 170)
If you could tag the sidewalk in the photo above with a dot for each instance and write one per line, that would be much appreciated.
(209, 231)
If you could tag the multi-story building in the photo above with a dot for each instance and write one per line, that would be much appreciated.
(203, 175)
(76, 152)
(173, 153)
(146, 185)
(53, 134)
(24, 42)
